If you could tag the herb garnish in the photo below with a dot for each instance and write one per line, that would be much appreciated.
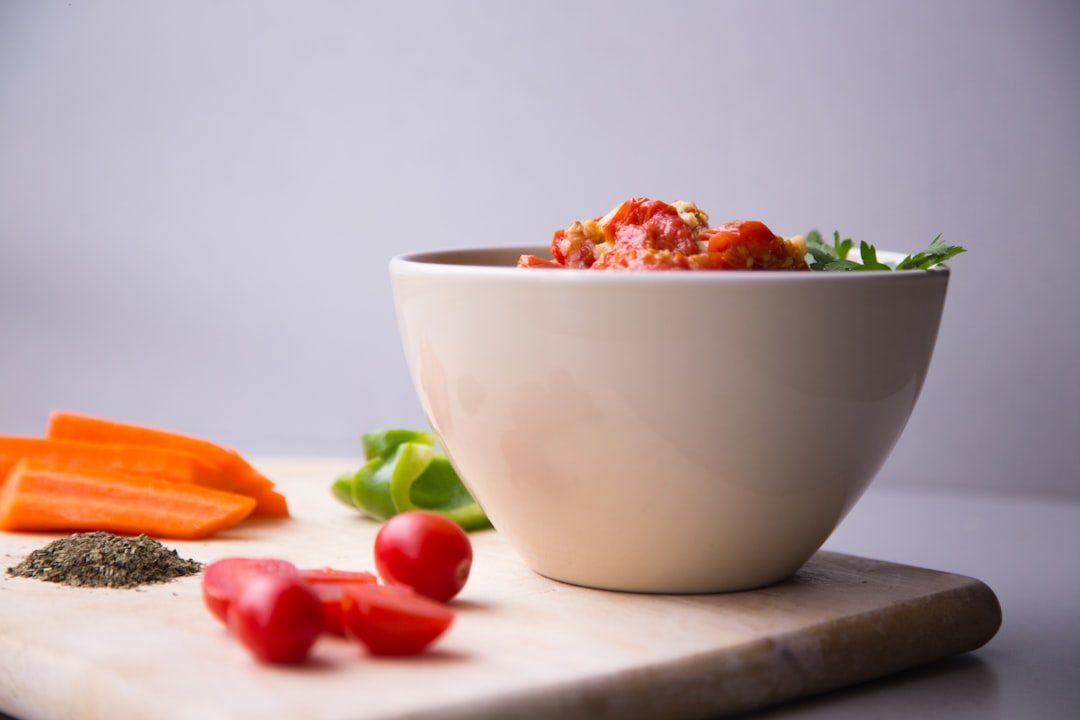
(820, 255)
(99, 559)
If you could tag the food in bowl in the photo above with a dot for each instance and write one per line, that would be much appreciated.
(706, 435)
(644, 234)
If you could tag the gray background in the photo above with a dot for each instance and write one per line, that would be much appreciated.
(198, 200)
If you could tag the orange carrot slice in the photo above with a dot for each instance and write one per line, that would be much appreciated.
(64, 425)
(39, 497)
(247, 478)
(159, 462)
(270, 503)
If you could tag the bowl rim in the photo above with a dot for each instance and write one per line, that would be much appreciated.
(455, 261)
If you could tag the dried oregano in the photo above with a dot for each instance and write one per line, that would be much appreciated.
(100, 559)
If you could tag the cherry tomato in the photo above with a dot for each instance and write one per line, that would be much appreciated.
(330, 585)
(277, 618)
(222, 579)
(425, 551)
(394, 619)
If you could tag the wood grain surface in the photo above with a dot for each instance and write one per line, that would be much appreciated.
(522, 646)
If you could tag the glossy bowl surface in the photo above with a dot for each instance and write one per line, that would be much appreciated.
(670, 432)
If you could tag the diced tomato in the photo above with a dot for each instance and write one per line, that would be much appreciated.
(651, 224)
(635, 211)
(394, 619)
(575, 246)
(750, 245)
(533, 261)
(625, 257)
(644, 234)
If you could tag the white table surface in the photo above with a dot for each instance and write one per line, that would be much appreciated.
(1027, 549)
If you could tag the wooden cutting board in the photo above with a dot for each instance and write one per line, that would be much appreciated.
(522, 645)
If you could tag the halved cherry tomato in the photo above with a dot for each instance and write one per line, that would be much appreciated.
(222, 579)
(330, 584)
(333, 576)
(394, 619)
(276, 617)
(425, 551)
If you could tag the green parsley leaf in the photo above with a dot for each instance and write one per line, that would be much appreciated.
(834, 257)
(868, 253)
(937, 253)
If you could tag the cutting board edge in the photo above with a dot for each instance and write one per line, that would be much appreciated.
(692, 694)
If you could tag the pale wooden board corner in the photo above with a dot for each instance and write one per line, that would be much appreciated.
(522, 645)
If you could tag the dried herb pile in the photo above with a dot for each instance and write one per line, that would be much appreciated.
(100, 559)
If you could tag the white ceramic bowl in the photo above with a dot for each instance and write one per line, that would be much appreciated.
(673, 432)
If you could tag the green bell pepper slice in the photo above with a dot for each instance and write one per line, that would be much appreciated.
(437, 487)
(405, 472)
(382, 443)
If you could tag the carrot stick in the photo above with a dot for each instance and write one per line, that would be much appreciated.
(160, 462)
(64, 425)
(39, 497)
(247, 477)
(270, 503)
